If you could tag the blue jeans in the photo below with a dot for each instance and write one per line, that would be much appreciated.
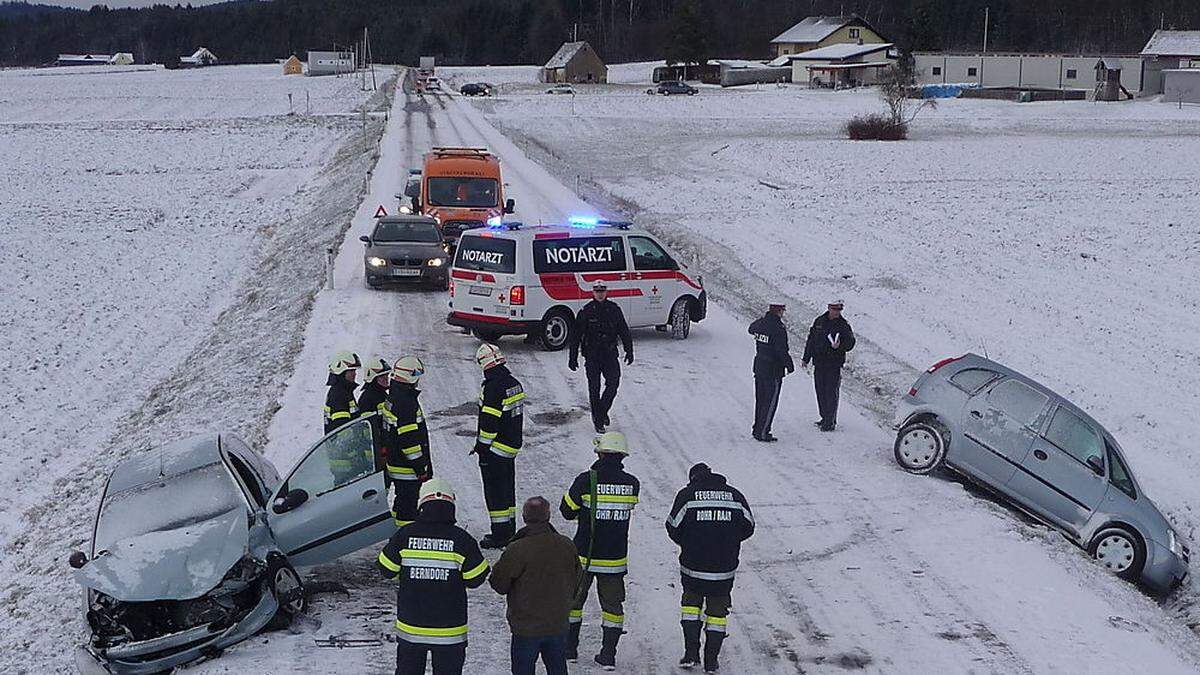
(552, 649)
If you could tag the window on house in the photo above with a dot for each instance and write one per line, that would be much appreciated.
(1072, 73)
(787, 50)
(937, 70)
(972, 72)
(854, 32)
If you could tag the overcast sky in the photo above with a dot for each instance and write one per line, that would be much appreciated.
(86, 4)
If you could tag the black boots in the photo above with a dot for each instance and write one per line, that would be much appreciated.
(573, 642)
(608, 648)
(691, 645)
(712, 648)
(492, 541)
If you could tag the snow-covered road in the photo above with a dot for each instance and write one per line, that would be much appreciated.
(855, 565)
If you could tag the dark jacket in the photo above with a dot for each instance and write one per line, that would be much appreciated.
(598, 327)
(709, 521)
(818, 348)
(432, 598)
(373, 399)
(771, 357)
(616, 496)
(538, 572)
(501, 398)
(340, 406)
(408, 437)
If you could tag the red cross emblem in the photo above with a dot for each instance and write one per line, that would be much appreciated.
(654, 290)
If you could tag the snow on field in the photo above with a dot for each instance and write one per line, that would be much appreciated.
(159, 259)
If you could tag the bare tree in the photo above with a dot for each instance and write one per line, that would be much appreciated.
(897, 85)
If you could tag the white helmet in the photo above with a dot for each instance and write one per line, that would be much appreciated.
(376, 367)
(343, 361)
(489, 355)
(435, 488)
(612, 442)
(408, 369)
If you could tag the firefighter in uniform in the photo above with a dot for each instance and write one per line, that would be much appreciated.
(341, 409)
(598, 327)
(771, 364)
(709, 521)
(434, 562)
(828, 341)
(498, 442)
(372, 398)
(409, 462)
(601, 500)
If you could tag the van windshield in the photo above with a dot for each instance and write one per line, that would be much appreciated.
(486, 254)
(463, 192)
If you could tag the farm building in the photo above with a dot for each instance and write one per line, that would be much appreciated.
(82, 59)
(293, 66)
(330, 63)
(1181, 85)
(574, 62)
(736, 72)
(816, 32)
(121, 59)
(996, 70)
(1169, 50)
(199, 58)
(841, 65)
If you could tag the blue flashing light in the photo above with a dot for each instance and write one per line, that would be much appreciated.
(494, 221)
(584, 221)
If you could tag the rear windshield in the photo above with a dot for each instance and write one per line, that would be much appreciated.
(582, 254)
(486, 254)
(461, 191)
(415, 231)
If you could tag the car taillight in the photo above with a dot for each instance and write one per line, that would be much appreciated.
(452, 288)
(912, 391)
(516, 295)
(941, 363)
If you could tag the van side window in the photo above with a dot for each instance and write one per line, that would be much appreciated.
(1018, 401)
(972, 380)
(1074, 436)
(648, 255)
(579, 254)
(1117, 473)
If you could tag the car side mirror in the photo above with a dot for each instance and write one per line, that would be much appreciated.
(290, 501)
(1096, 464)
(509, 205)
(77, 559)
(366, 239)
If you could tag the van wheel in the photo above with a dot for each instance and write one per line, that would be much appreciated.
(681, 319)
(288, 590)
(556, 330)
(921, 447)
(1120, 552)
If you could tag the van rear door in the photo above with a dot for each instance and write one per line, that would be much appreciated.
(484, 268)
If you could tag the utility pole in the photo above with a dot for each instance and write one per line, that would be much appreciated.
(986, 17)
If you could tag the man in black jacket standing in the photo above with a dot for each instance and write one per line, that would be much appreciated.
(771, 363)
(709, 521)
(828, 341)
(598, 327)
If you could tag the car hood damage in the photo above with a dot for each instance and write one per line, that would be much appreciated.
(180, 564)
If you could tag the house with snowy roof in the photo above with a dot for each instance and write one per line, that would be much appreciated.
(200, 57)
(1168, 50)
(815, 32)
(574, 62)
(841, 65)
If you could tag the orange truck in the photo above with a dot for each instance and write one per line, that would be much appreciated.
(461, 189)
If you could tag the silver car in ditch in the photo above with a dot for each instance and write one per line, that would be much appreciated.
(1020, 439)
(195, 545)
(406, 249)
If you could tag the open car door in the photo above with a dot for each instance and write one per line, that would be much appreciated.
(334, 501)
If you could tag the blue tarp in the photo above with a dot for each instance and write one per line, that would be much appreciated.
(945, 90)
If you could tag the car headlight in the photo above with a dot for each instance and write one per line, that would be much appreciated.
(375, 261)
(437, 262)
(1173, 542)
(405, 209)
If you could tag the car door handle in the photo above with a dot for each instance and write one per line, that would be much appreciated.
(1039, 454)
(976, 413)
(369, 494)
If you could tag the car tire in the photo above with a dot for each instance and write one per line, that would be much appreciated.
(368, 283)
(921, 447)
(284, 580)
(557, 329)
(681, 319)
(1119, 551)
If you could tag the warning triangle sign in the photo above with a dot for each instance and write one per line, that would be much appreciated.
(380, 212)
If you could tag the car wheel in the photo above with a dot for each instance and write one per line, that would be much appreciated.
(556, 330)
(681, 319)
(1120, 552)
(368, 283)
(921, 447)
(288, 590)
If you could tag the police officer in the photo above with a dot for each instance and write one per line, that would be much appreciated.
(498, 442)
(601, 500)
(709, 521)
(409, 462)
(598, 327)
(828, 341)
(340, 406)
(771, 364)
(434, 562)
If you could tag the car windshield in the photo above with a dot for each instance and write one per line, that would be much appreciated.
(187, 498)
(467, 192)
(412, 231)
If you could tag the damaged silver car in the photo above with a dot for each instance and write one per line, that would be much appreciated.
(195, 545)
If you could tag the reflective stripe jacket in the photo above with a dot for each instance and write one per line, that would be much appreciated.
(501, 398)
(616, 497)
(408, 452)
(709, 521)
(771, 358)
(340, 406)
(373, 399)
(434, 562)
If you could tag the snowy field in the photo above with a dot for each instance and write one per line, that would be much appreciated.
(145, 217)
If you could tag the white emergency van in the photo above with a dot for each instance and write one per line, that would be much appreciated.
(516, 279)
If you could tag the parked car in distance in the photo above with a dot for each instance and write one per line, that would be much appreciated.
(1021, 440)
(194, 543)
(672, 87)
(475, 89)
(406, 249)
(561, 89)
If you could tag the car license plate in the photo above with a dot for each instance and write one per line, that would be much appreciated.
(406, 272)
(481, 290)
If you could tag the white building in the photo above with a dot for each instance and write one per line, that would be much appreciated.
(1181, 85)
(1023, 71)
(330, 63)
(841, 65)
(200, 57)
(1169, 50)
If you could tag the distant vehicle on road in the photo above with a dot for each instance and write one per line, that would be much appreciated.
(461, 188)
(194, 544)
(673, 87)
(1018, 438)
(433, 84)
(475, 89)
(405, 249)
(561, 89)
